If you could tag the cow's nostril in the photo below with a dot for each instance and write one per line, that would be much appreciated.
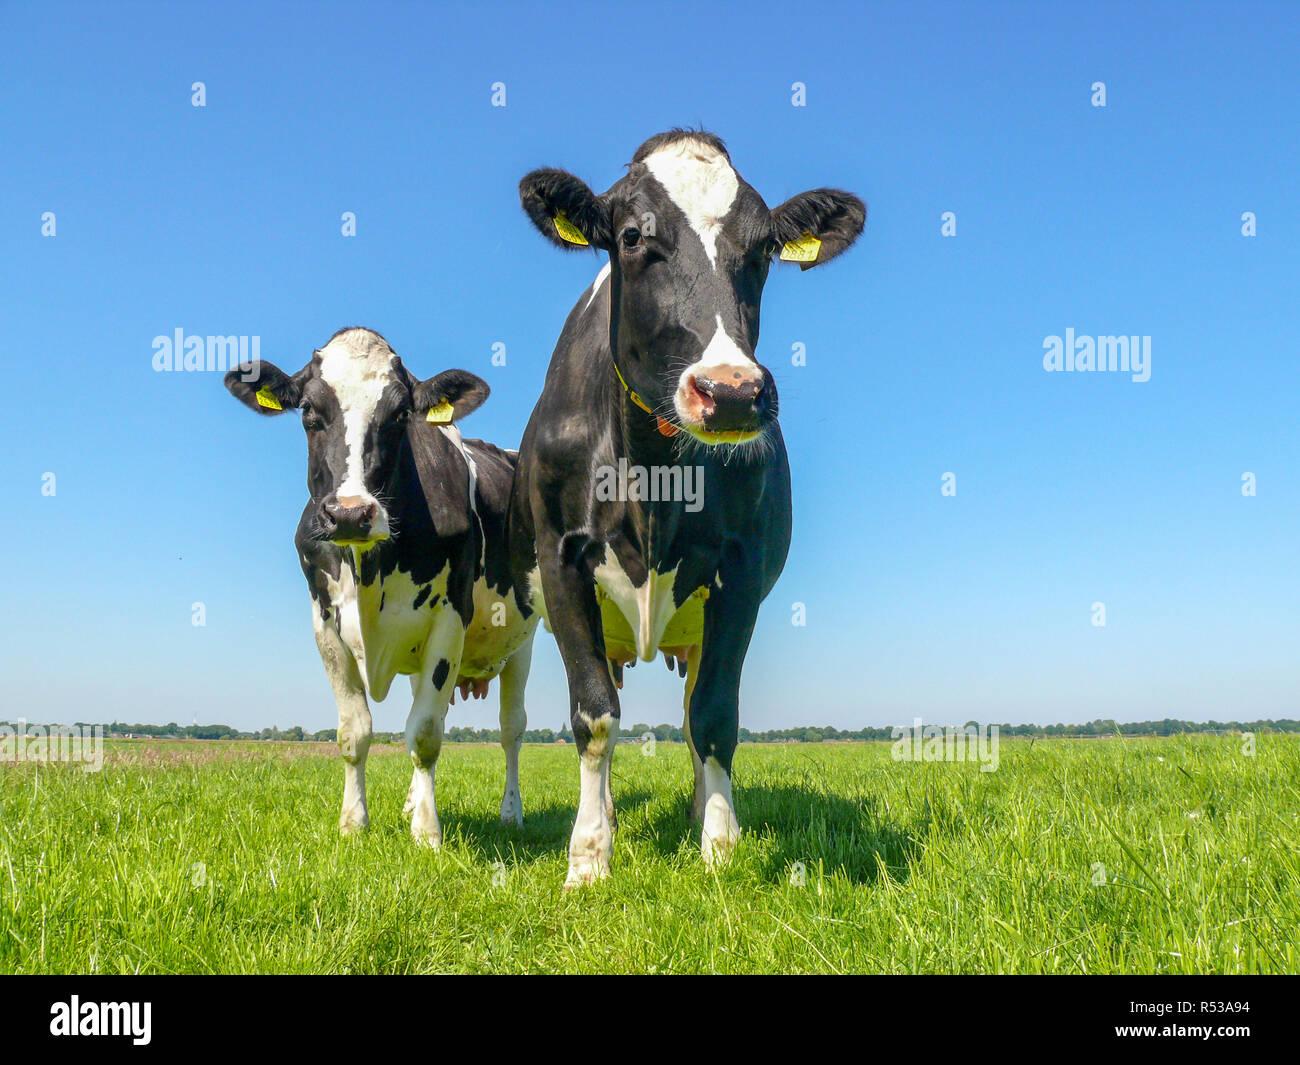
(703, 385)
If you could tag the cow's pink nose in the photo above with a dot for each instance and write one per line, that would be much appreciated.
(348, 518)
(727, 397)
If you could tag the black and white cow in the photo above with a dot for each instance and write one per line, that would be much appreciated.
(403, 547)
(654, 376)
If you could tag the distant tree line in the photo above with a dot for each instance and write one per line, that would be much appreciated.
(673, 733)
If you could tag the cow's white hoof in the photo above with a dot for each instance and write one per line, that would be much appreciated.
(721, 832)
(586, 870)
(425, 829)
(354, 821)
(717, 850)
(512, 811)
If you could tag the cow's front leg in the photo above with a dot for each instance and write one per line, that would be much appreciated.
(514, 719)
(567, 568)
(430, 696)
(729, 615)
(354, 718)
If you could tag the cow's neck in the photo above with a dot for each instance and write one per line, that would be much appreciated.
(638, 440)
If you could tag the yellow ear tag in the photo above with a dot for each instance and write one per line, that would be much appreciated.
(568, 230)
(441, 414)
(266, 398)
(803, 250)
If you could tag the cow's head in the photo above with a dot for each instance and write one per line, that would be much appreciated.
(358, 405)
(690, 243)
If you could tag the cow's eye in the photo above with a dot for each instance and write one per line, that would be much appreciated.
(630, 237)
(311, 420)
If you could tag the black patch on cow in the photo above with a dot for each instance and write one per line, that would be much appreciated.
(440, 672)
(422, 596)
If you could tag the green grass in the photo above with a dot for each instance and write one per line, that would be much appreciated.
(224, 857)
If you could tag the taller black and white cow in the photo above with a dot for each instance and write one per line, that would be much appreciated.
(403, 547)
(653, 383)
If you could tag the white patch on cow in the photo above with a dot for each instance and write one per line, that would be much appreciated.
(347, 613)
(721, 350)
(389, 641)
(721, 829)
(647, 608)
(598, 284)
(358, 366)
(592, 843)
(701, 182)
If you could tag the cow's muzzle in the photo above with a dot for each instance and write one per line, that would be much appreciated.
(351, 520)
(725, 403)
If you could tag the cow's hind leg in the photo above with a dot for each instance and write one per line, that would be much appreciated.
(432, 693)
(514, 719)
(697, 767)
(354, 721)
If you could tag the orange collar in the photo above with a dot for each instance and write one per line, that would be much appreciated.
(665, 427)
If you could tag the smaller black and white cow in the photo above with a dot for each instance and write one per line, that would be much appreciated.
(403, 547)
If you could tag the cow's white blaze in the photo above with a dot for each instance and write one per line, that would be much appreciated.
(701, 182)
(358, 366)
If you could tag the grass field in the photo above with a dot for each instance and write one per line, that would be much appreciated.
(224, 857)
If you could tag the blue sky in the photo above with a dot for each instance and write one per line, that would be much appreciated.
(924, 352)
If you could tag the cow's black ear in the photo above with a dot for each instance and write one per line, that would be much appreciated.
(450, 396)
(565, 210)
(265, 388)
(814, 227)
